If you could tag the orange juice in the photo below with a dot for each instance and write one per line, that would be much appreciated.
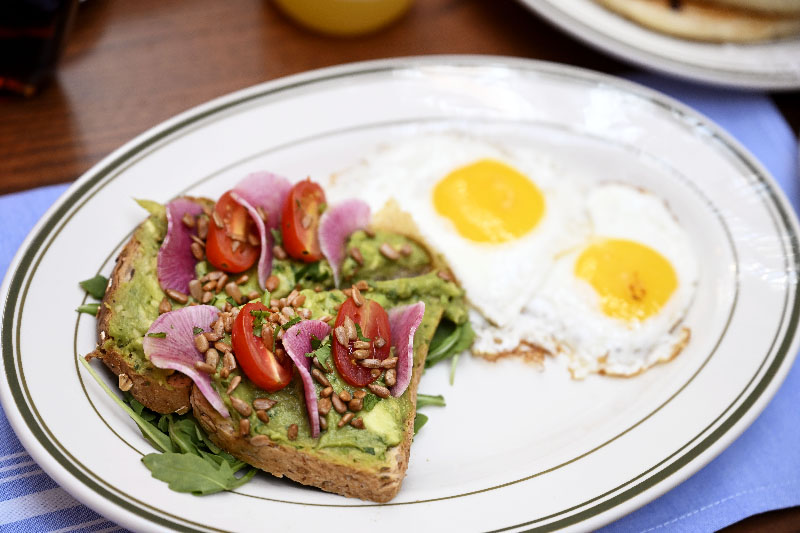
(344, 17)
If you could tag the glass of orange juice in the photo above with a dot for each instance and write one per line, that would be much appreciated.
(344, 17)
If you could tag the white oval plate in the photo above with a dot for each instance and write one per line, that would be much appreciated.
(514, 448)
(770, 65)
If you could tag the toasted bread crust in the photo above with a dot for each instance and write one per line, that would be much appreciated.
(352, 480)
(169, 398)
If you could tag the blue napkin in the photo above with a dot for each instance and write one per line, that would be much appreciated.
(759, 472)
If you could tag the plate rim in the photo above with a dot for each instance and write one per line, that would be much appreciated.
(77, 192)
(665, 64)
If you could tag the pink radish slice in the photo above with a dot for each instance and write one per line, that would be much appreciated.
(403, 322)
(175, 260)
(297, 343)
(173, 346)
(267, 191)
(335, 226)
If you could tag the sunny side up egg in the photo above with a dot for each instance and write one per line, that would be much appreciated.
(499, 216)
(551, 264)
(616, 303)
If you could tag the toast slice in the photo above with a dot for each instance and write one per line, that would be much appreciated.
(333, 462)
(121, 325)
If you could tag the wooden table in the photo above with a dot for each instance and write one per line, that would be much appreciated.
(132, 64)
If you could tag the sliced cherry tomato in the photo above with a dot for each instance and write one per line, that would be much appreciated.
(374, 323)
(265, 367)
(228, 248)
(300, 220)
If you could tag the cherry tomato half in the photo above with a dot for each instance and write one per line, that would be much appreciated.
(228, 248)
(255, 355)
(374, 323)
(300, 220)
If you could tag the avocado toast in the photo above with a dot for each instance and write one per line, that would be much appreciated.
(362, 447)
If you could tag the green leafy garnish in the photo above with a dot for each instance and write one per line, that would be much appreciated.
(190, 462)
(453, 364)
(360, 334)
(448, 340)
(158, 334)
(197, 331)
(323, 350)
(89, 309)
(265, 298)
(96, 286)
(291, 323)
(419, 421)
(231, 301)
(150, 432)
(277, 236)
(423, 400)
(370, 401)
(200, 475)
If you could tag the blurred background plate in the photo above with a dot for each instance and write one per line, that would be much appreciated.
(771, 65)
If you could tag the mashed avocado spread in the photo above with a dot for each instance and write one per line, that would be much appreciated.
(408, 279)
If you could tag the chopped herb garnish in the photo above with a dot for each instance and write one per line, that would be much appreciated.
(361, 336)
(322, 207)
(276, 235)
(369, 450)
(291, 323)
(96, 286)
(158, 335)
(424, 400)
(370, 401)
(419, 421)
(197, 331)
(265, 298)
(315, 342)
(89, 309)
(231, 301)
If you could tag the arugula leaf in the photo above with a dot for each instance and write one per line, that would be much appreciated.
(151, 433)
(139, 409)
(448, 340)
(453, 364)
(419, 421)
(186, 472)
(190, 462)
(424, 400)
(183, 434)
(89, 309)
(96, 286)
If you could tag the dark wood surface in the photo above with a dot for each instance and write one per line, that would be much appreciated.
(129, 65)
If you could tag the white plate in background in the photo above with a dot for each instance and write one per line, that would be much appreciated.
(769, 66)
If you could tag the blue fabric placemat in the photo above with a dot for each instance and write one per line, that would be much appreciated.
(759, 472)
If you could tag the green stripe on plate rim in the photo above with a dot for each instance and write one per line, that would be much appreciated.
(634, 150)
(61, 214)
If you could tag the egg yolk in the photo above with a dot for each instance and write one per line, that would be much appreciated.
(633, 280)
(488, 201)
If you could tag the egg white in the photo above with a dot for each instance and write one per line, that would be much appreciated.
(499, 279)
(565, 315)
